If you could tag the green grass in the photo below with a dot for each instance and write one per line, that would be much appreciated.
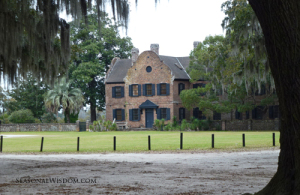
(134, 141)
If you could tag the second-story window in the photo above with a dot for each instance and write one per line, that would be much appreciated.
(135, 90)
(148, 89)
(163, 89)
(180, 88)
(118, 92)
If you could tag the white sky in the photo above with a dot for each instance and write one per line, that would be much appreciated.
(174, 24)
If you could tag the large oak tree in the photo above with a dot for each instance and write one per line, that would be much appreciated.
(280, 22)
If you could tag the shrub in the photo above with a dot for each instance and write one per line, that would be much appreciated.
(174, 122)
(205, 125)
(184, 125)
(157, 124)
(162, 123)
(91, 127)
(36, 120)
(22, 116)
(48, 117)
(113, 127)
(218, 127)
(168, 127)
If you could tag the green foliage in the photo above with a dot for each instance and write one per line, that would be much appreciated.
(92, 50)
(27, 93)
(205, 125)
(48, 117)
(73, 117)
(168, 127)
(157, 124)
(91, 127)
(113, 127)
(184, 125)
(22, 116)
(174, 124)
(65, 97)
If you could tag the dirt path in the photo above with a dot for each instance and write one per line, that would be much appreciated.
(142, 173)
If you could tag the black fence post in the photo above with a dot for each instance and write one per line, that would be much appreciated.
(77, 144)
(42, 142)
(243, 140)
(1, 144)
(273, 139)
(149, 143)
(212, 140)
(114, 143)
(181, 136)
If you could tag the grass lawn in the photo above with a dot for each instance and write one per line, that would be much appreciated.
(134, 141)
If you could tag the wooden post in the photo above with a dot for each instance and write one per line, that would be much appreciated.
(114, 143)
(42, 143)
(212, 140)
(273, 139)
(149, 143)
(77, 144)
(181, 136)
(243, 140)
(1, 144)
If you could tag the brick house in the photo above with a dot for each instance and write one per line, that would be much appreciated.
(147, 87)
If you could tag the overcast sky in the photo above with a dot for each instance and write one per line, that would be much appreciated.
(174, 24)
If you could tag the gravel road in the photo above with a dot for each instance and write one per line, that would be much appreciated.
(138, 173)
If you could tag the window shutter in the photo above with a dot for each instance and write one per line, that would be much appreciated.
(183, 110)
(139, 88)
(123, 114)
(144, 89)
(130, 114)
(168, 113)
(158, 89)
(153, 89)
(130, 91)
(139, 114)
(179, 88)
(271, 112)
(158, 113)
(168, 88)
(113, 92)
(114, 114)
(122, 91)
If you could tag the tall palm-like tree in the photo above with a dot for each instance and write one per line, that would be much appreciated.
(64, 97)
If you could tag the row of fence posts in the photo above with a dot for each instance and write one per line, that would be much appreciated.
(149, 142)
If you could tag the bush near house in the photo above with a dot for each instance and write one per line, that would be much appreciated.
(22, 116)
(195, 124)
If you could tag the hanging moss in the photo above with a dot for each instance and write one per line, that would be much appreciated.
(33, 38)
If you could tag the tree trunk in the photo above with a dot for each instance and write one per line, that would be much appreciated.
(280, 21)
(93, 112)
(67, 111)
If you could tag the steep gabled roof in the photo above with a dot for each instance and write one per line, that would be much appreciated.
(177, 65)
(119, 71)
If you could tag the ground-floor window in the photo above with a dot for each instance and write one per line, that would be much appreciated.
(119, 114)
(181, 113)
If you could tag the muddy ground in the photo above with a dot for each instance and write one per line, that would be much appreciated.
(190, 172)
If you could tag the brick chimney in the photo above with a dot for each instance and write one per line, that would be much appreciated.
(155, 48)
(196, 43)
(134, 54)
